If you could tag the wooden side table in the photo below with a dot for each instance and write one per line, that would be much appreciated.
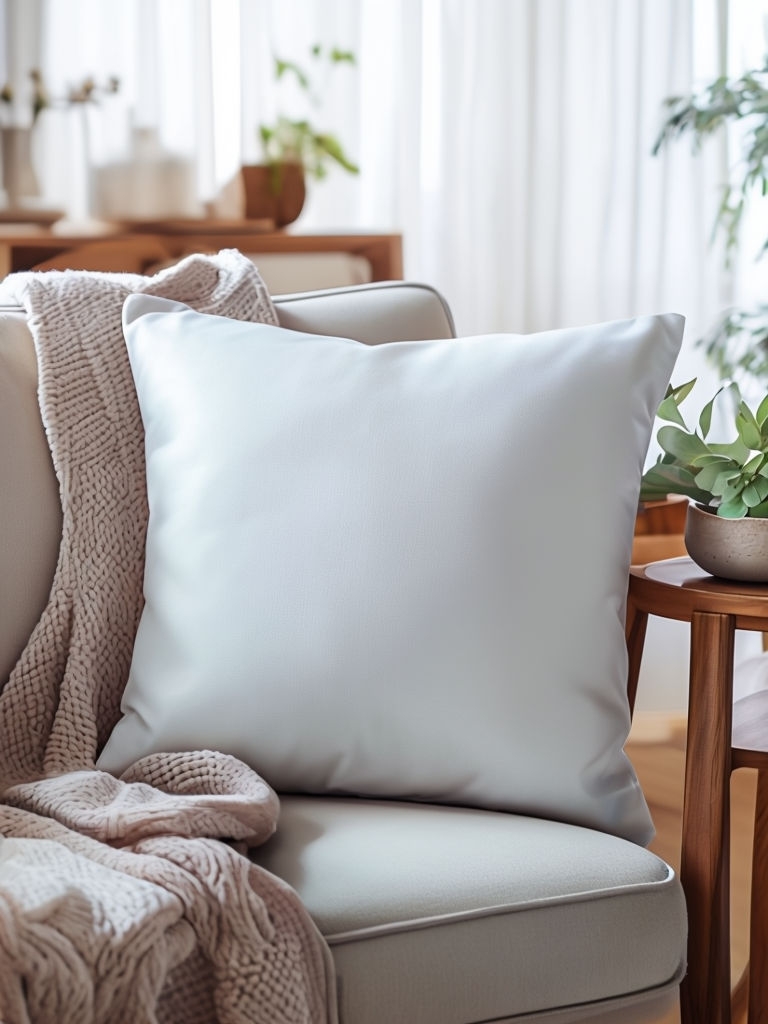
(721, 738)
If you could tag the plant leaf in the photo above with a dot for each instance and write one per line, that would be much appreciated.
(342, 56)
(669, 411)
(735, 509)
(748, 427)
(735, 450)
(331, 146)
(705, 419)
(681, 392)
(728, 481)
(762, 412)
(755, 492)
(732, 488)
(711, 460)
(282, 67)
(709, 475)
(684, 446)
(662, 479)
(755, 464)
(759, 511)
(750, 496)
(669, 407)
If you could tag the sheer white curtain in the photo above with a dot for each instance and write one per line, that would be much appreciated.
(509, 140)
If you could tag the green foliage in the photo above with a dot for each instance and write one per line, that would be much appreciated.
(738, 343)
(296, 140)
(741, 99)
(732, 478)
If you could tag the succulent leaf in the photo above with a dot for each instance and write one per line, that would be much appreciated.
(754, 465)
(684, 446)
(716, 475)
(681, 392)
(727, 483)
(761, 485)
(751, 495)
(748, 427)
(663, 479)
(734, 509)
(712, 460)
(669, 411)
(735, 450)
(705, 419)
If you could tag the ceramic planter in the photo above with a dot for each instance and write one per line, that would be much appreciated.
(734, 549)
(273, 192)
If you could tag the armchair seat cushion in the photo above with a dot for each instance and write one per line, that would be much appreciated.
(456, 915)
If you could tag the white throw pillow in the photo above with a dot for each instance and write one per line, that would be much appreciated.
(394, 571)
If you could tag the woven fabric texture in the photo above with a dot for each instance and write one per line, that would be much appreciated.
(118, 899)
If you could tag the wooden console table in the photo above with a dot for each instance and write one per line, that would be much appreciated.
(24, 247)
(721, 737)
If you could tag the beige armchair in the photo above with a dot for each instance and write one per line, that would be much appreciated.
(435, 914)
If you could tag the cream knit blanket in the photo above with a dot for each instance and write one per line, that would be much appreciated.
(118, 901)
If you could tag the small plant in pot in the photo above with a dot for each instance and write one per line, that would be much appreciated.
(726, 530)
(293, 149)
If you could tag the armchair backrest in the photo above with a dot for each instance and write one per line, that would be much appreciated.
(30, 513)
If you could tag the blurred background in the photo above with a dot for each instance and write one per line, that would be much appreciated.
(509, 142)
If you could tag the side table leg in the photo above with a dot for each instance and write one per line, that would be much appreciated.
(758, 928)
(637, 622)
(704, 866)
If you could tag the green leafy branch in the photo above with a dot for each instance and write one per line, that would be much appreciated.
(289, 67)
(738, 344)
(731, 479)
(296, 140)
(724, 100)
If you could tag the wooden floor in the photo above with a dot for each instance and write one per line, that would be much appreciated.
(657, 750)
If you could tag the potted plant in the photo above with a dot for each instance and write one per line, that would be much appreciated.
(737, 344)
(293, 149)
(726, 529)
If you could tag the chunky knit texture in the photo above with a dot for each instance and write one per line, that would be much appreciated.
(118, 900)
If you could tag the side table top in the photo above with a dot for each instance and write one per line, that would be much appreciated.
(676, 588)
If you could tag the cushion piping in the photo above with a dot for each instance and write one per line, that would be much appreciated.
(417, 924)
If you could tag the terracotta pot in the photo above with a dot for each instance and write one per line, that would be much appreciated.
(734, 549)
(273, 191)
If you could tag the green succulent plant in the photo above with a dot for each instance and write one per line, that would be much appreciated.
(730, 479)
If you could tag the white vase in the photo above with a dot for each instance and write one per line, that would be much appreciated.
(19, 178)
(150, 183)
